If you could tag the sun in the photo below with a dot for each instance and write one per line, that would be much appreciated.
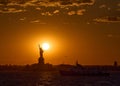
(45, 46)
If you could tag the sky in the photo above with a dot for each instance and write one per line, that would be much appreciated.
(83, 30)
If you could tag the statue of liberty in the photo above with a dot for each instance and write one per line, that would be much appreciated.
(41, 58)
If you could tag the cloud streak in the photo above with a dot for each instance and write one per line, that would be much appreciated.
(108, 19)
(12, 10)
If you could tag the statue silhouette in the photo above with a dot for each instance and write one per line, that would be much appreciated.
(41, 58)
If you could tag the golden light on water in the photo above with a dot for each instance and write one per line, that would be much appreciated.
(45, 46)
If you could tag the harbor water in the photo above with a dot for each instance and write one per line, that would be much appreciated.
(55, 79)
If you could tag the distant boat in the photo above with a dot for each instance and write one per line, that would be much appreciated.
(79, 70)
(83, 73)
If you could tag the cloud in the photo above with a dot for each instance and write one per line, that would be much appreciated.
(22, 19)
(102, 6)
(46, 14)
(81, 11)
(78, 12)
(14, 6)
(110, 35)
(56, 11)
(47, 2)
(108, 19)
(71, 13)
(37, 21)
(38, 8)
(11, 10)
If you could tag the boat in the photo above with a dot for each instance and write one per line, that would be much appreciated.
(83, 73)
(79, 70)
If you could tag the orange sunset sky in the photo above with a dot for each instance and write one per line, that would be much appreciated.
(83, 30)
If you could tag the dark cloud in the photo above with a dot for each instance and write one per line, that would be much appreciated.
(14, 6)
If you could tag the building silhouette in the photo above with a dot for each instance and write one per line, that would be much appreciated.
(41, 58)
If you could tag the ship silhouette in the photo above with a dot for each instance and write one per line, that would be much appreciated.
(79, 70)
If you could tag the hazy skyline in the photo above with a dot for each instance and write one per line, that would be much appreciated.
(83, 30)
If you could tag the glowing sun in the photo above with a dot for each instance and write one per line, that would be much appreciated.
(45, 46)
